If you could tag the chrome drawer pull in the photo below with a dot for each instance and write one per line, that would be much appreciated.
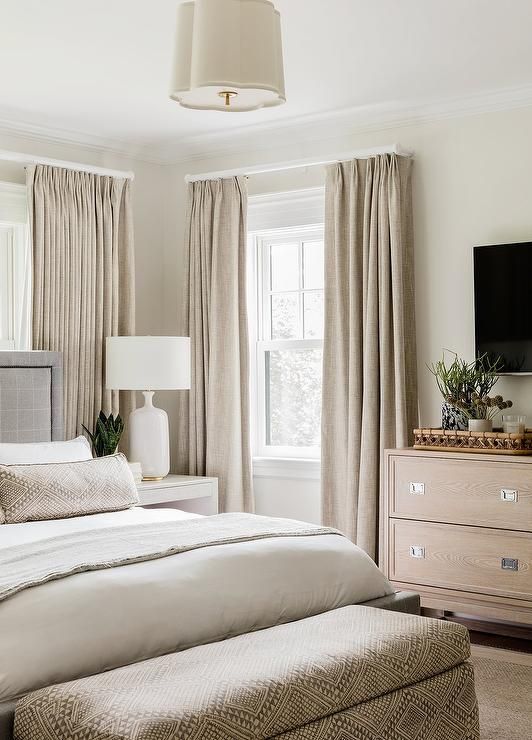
(417, 551)
(418, 489)
(509, 564)
(510, 495)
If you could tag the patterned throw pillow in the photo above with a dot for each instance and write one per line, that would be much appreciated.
(61, 490)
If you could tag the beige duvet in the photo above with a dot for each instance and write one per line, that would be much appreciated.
(92, 621)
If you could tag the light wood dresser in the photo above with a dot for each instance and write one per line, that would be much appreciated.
(457, 528)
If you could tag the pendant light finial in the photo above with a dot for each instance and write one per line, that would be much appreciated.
(227, 95)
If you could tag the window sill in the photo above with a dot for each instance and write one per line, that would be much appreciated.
(283, 467)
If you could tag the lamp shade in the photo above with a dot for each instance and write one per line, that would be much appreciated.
(148, 363)
(228, 55)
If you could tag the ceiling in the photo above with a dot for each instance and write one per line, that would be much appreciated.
(101, 68)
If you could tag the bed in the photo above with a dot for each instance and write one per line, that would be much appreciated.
(102, 618)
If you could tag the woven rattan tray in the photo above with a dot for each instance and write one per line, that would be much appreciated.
(497, 442)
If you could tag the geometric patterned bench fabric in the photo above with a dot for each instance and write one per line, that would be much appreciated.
(354, 673)
(441, 708)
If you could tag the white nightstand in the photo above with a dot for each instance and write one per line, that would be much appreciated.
(191, 493)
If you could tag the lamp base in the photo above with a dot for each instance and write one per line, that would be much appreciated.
(149, 439)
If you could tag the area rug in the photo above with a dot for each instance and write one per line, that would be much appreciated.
(504, 691)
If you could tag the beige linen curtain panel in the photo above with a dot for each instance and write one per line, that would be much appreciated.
(216, 429)
(83, 281)
(369, 370)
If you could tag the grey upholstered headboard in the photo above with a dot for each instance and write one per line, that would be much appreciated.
(31, 396)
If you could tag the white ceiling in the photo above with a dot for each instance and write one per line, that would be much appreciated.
(101, 68)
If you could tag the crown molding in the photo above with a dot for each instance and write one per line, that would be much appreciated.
(323, 126)
(344, 122)
(53, 135)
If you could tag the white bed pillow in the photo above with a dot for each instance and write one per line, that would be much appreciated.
(28, 453)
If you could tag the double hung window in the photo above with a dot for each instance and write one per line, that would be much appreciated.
(289, 340)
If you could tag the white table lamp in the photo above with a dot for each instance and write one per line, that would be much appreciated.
(148, 364)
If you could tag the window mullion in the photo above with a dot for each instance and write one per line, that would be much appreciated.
(274, 345)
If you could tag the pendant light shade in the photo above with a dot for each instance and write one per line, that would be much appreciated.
(228, 55)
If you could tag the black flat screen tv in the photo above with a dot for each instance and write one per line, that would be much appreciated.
(503, 304)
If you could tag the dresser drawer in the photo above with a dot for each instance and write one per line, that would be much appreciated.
(490, 493)
(473, 559)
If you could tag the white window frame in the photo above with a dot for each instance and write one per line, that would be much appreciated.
(286, 211)
(263, 345)
(15, 277)
(268, 213)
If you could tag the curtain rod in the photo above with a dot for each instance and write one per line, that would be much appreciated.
(300, 163)
(29, 159)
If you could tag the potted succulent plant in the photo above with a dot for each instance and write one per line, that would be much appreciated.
(465, 387)
(106, 435)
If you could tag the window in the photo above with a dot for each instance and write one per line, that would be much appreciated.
(287, 339)
(15, 268)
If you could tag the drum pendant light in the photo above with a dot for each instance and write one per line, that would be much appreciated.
(228, 55)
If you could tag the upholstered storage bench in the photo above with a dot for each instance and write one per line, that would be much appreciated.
(354, 673)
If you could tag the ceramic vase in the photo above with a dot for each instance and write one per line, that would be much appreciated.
(453, 418)
(480, 425)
